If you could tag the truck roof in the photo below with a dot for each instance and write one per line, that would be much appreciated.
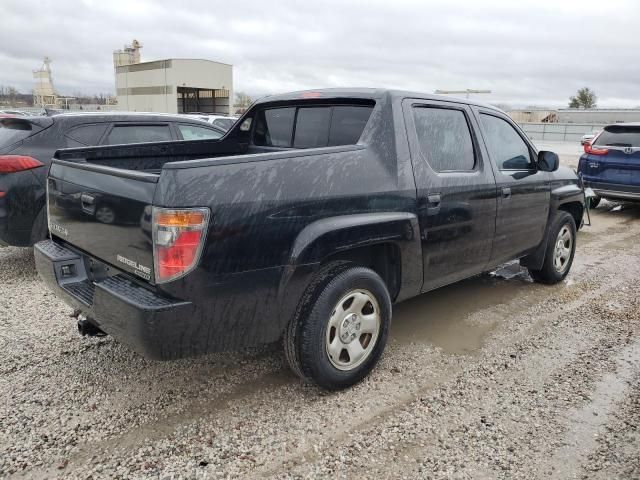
(366, 93)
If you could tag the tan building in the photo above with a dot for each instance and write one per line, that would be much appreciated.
(175, 85)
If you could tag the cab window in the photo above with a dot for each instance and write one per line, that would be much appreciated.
(444, 138)
(505, 145)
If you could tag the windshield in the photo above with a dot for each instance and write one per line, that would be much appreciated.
(13, 130)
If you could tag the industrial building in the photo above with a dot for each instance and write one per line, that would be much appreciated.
(175, 85)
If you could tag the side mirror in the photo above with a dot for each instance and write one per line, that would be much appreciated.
(548, 161)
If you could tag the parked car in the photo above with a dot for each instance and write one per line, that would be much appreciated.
(610, 165)
(221, 121)
(28, 143)
(587, 138)
(315, 213)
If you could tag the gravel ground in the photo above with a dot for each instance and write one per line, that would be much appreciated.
(495, 377)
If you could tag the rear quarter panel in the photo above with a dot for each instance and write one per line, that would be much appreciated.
(261, 204)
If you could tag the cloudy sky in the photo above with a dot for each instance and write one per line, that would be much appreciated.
(527, 52)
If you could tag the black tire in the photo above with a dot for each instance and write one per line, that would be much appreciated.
(40, 229)
(594, 202)
(549, 274)
(305, 339)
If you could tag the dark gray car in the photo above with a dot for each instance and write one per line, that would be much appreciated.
(27, 145)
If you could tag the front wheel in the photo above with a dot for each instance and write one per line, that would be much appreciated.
(561, 248)
(340, 330)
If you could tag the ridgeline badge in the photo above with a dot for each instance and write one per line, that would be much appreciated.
(140, 270)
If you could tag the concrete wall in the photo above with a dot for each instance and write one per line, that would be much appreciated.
(604, 116)
(559, 131)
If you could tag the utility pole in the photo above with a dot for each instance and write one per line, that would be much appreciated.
(459, 92)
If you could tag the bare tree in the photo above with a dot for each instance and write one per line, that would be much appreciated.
(243, 101)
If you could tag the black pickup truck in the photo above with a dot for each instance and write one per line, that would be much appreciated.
(305, 222)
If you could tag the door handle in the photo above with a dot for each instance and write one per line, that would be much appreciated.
(506, 192)
(433, 203)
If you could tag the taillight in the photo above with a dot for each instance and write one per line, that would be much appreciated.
(588, 148)
(17, 163)
(178, 240)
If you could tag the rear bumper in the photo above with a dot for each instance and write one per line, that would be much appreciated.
(153, 325)
(612, 190)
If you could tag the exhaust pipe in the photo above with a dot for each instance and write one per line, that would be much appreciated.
(89, 329)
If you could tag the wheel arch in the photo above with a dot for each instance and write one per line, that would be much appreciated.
(387, 242)
(576, 209)
(535, 260)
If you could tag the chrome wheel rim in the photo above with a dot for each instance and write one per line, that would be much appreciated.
(563, 248)
(353, 329)
(105, 215)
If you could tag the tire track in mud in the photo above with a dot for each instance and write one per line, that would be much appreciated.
(483, 407)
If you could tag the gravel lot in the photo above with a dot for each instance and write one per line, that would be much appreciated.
(495, 377)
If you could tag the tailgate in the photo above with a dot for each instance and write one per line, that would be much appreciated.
(104, 211)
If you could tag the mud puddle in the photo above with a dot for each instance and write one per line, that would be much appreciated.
(458, 318)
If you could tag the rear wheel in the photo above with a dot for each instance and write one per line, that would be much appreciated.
(594, 202)
(341, 328)
(561, 247)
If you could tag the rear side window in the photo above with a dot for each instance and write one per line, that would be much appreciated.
(506, 146)
(444, 138)
(13, 130)
(311, 127)
(123, 134)
(196, 132)
(619, 136)
(86, 134)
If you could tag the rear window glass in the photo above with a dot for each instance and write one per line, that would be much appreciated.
(124, 134)
(87, 134)
(13, 130)
(347, 124)
(619, 136)
(312, 127)
(274, 127)
(315, 126)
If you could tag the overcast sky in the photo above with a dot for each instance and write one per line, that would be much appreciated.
(527, 52)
